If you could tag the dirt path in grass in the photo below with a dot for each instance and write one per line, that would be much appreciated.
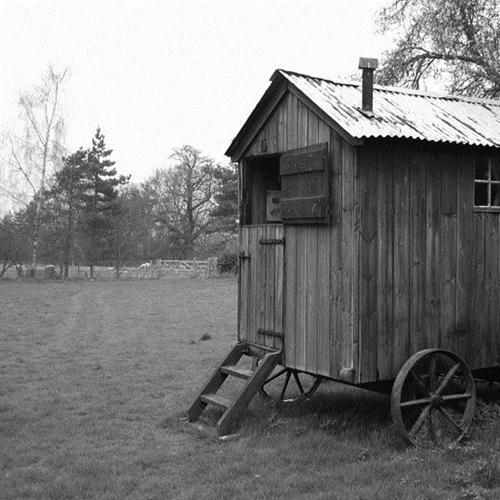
(96, 348)
(131, 354)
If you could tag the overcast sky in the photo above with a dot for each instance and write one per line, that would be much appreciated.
(159, 74)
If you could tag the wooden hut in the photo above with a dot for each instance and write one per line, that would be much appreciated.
(370, 229)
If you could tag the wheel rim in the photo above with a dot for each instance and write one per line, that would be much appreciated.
(289, 386)
(433, 398)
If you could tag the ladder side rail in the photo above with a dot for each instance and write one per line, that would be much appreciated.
(228, 423)
(215, 381)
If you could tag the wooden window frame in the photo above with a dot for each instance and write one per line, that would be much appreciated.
(489, 182)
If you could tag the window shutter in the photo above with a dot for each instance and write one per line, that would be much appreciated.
(304, 185)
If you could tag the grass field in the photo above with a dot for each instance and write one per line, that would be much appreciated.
(94, 377)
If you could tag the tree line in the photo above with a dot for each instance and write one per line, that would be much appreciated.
(75, 208)
(91, 215)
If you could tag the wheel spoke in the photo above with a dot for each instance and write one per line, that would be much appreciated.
(278, 386)
(299, 385)
(447, 378)
(415, 402)
(285, 384)
(431, 422)
(275, 376)
(457, 397)
(420, 384)
(420, 421)
(449, 418)
(432, 373)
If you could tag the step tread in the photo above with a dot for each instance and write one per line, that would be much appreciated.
(217, 400)
(237, 371)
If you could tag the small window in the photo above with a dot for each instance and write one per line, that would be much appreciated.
(486, 183)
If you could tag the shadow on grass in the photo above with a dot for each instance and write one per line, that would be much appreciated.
(342, 412)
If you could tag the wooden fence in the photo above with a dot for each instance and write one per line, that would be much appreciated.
(198, 268)
(148, 270)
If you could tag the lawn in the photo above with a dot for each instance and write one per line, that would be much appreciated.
(95, 376)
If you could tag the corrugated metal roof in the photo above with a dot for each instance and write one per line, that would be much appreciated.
(404, 114)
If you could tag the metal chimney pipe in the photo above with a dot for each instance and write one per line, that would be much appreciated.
(368, 66)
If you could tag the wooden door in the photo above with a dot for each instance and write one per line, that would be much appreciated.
(261, 285)
(305, 214)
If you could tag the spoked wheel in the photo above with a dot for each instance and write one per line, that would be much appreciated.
(433, 398)
(289, 386)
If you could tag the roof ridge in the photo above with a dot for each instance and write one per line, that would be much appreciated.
(336, 82)
(401, 90)
(437, 95)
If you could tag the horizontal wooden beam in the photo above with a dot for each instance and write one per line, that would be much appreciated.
(270, 333)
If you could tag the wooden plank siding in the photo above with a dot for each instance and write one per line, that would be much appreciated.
(404, 262)
(319, 294)
(261, 295)
(435, 261)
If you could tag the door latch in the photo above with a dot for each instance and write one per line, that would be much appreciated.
(243, 255)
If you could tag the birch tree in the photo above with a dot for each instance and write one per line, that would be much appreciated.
(31, 159)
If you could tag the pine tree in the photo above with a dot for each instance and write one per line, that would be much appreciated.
(100, 200)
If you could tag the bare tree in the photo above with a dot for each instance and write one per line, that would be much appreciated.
(30, 160)
(184, 197)
(457, 41)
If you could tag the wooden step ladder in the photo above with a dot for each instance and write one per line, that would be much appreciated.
(233, 409)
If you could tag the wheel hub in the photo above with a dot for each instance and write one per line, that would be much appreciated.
(437, 401)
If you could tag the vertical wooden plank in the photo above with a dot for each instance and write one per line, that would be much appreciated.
(311, 298)
(463, 344)
(312, 128)
(319, 132)
(269, 251)
(291, 124)
(495, 330)
(323, 132)
(261, 282)
(272, 132)
(401, 350)
(290, 327)
(355, 273)
(432, 251)
(323, 308)
(385, 237)
(302, 118)
(278, 289)
(300, 305)
(417, 217)
(253, 299)
(478, 301)
(282, 124)
(491, 285)
(349, 258)
(448, 250)
(368, 266)
(483, 243)
(496, 325)
(335, 249)
(244, 286)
